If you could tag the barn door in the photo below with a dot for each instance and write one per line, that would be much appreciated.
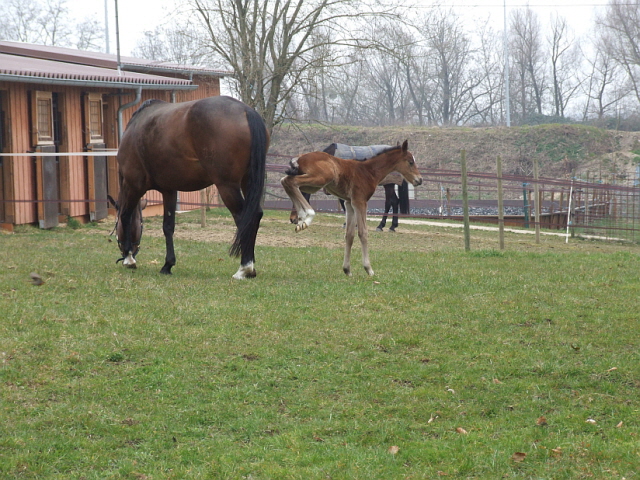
(47, 186)
(97, 173)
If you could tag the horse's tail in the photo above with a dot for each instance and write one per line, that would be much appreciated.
(244, 240)
(403, 191)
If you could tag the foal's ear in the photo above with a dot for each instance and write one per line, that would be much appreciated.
(113, 202)
(405, 146)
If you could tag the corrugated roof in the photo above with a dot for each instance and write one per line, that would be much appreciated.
(26, 69)
(98, 59)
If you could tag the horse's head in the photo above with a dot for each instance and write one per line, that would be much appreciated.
(407, 167)
(129, 247)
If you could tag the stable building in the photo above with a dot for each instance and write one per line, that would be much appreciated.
(56, 101)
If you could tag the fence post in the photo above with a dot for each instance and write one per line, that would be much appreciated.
(536, 189)
(500, 204)
(465, 200)
(203, 209)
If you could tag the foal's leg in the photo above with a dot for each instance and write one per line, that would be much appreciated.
(169, 200)
(361, 215)
(293, 216)
(349, 235)
(291, 184)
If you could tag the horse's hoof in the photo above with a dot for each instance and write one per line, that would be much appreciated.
(369, 271)
(392, 230)
(301, 226)
(245, 271)
(347, 271)
(379, 229)
(129, 261)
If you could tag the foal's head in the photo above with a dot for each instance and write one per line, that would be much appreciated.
(129, 251)
(406, 165)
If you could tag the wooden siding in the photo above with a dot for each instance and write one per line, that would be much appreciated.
(20, 173)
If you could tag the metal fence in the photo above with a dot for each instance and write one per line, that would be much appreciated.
(608, 209)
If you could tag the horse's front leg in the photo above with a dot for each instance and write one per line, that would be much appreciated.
(361, 216)
(169, 200)
(293, 216)
(349, 235)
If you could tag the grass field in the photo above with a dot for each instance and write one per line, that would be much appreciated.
(445, 364)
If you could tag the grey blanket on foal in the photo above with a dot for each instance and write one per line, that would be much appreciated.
(362, 153)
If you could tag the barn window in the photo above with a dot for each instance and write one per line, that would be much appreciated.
(42, 118)
(93, 118)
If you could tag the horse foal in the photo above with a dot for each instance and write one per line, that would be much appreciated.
(351, 180)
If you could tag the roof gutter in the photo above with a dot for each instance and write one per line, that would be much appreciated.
(123, 108)
(94, 83)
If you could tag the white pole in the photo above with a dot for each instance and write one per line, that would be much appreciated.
(106, 24)
(569, 212)
(506, 68)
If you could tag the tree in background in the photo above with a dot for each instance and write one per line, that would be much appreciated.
(621, 22)
(47, 22)
(269, 44)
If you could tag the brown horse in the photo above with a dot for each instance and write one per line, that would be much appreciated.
(189, 146)
(353, 181)
(391, 200)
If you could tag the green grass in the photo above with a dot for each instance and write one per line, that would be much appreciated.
(304, 373)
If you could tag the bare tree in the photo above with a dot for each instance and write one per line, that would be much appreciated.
(178, 44)
(89, 35)
(622, 22)
(564, 65)
(604, 88)
(527, 56)
(47, 22)
(268, 44)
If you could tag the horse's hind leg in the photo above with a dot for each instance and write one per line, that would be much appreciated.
(232, 198)
(395, 203)
(169, 200)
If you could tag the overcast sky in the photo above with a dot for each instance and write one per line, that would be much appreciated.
(137, 16)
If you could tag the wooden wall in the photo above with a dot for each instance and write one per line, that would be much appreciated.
(20, 172)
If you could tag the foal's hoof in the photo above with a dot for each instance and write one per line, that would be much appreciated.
(301, 226)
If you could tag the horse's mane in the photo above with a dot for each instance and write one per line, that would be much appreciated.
(145, 104)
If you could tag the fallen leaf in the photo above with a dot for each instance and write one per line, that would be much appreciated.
(376, 283)
(556, 452)
(432, 418)
(612, 369)
(541, 422)
(575, 347)
(394, 449)
(36, 279)
(451, 390)
(591, 420)
(619, 425)
(461, 430)
(518, 456)
(496, 381)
